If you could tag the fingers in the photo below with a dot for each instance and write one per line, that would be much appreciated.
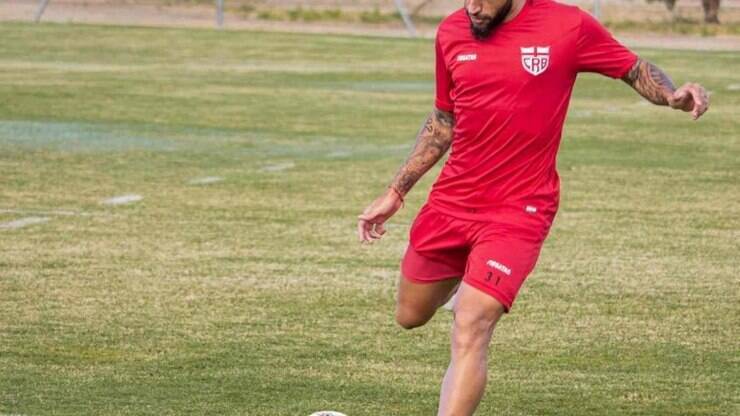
(691, 97)
(370, 222)
(361, 227)
(679, 94)
(374, 235)
(701, 101)
(368, 232)
(364, 226)
(682, 99)
(377, 232)
(380, 228)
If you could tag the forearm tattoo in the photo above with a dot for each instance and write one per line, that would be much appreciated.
(432, 141)
(650, 82)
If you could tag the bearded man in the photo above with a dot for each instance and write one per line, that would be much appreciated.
(505, 71)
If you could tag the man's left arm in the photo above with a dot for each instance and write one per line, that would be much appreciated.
(653, 84)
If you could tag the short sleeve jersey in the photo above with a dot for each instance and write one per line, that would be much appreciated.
(509, 94)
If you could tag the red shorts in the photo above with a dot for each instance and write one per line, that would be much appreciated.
(494, 256)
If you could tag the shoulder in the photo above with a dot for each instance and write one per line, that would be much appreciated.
(453, 26)
(564, 18)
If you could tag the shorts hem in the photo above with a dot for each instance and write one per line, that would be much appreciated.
(493, 292)
(427, 280)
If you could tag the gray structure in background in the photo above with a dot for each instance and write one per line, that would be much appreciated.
(40, 10)
(406, 18)
(219, 13)
(399, 5)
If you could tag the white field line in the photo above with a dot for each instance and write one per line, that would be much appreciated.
(278, 167)
(206, 180)
(122, 199)
(20, 223)
(57, 212)
(582, 113)
(733, 87)
(327, 413)
(339, 153)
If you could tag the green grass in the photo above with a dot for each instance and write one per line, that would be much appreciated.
(250, 296)
(678, 26)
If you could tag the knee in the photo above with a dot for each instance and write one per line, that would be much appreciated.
(471, 333)
(409, 318)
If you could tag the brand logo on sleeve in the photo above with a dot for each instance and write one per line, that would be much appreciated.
(535, 59)
(465, 57)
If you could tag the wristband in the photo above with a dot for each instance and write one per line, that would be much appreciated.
(400, 195)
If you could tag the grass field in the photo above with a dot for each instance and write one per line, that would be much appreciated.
(249, 295)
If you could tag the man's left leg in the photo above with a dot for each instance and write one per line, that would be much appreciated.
(475, 316)
(497, 266)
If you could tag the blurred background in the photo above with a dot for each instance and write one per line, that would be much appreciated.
(178, 207)
(698, 17)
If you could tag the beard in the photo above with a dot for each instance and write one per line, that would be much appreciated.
(483, 32)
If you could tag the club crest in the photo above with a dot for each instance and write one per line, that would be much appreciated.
(535, 59)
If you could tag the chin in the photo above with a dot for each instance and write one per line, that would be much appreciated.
(480, 32)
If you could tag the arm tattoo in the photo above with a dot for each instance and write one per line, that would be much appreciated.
(432, 141)
(650, 82)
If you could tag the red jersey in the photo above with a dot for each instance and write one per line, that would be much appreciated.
(509, 94)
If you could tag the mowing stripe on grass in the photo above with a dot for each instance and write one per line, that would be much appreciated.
(51, 212)
(206, 180)
(122, 199)
(23, 222)
(277, 167)
(339, 153)
(40, 212)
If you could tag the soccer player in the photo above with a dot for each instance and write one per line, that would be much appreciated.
(505, 71)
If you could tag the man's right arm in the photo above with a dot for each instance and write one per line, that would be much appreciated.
(432, 142)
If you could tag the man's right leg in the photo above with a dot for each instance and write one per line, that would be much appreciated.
(432, 267)
(417, 302)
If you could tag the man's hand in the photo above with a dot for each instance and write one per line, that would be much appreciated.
(690, 97)
(370, 225)
(653, 84)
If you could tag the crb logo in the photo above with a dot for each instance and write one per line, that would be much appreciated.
(535, 59)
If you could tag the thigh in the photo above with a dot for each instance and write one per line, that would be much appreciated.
(476, 313)
(428, 280)
(500, 265)
(433, 264)
(423, 299)
(438, 248)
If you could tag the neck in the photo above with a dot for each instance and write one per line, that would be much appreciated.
(516, 7)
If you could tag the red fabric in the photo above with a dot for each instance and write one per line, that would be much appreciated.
(598, 51)
(443, 81)
(495, 256)
(509, 112)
